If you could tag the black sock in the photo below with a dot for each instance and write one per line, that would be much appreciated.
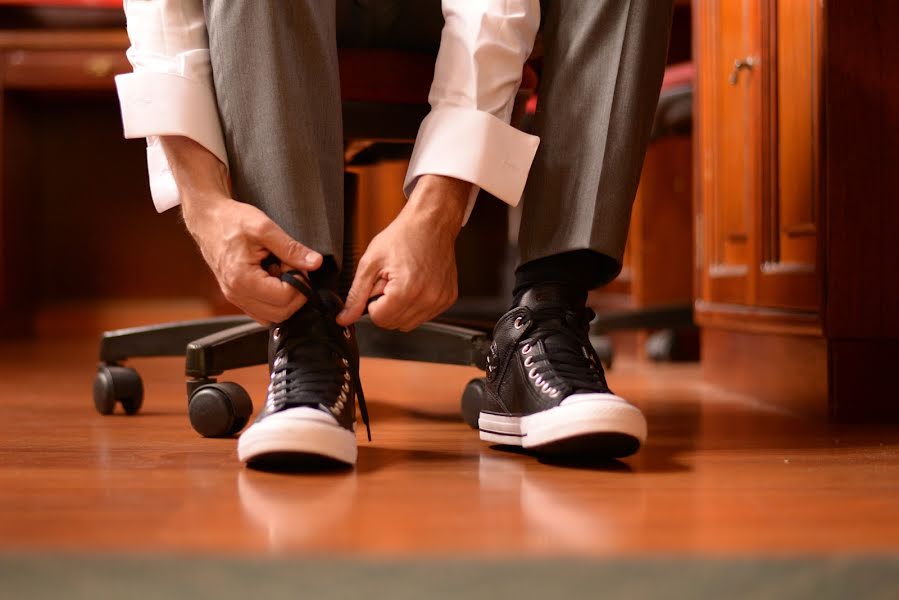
(579, 271)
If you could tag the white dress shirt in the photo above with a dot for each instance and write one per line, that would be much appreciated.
(466, 135)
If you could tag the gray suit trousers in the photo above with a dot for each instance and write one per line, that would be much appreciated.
(275, 74)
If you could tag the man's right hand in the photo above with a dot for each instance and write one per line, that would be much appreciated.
(235, 238)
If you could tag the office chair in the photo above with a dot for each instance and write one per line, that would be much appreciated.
(384, 96)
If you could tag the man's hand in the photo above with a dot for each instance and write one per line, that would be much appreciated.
(412, 262)
(235, 238)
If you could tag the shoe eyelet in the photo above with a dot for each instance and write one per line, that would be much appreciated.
(276, 333)
(346, 375)
(539, 381)
(346, 332)
(518, 323)
(345, 387)
(532, 373)
(529, 361)
(345, 362)
(526, 349)
(341, 397)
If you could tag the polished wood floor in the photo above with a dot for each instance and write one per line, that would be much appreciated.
(721, 474)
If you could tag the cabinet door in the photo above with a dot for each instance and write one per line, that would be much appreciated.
(729, 111)
(788, 219)
(758, 107)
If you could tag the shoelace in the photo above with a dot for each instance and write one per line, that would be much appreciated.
(314, 373)
(561, 331)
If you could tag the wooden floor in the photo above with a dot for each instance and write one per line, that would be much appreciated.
(720, 475)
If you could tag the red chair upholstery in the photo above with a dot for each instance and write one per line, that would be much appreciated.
(385, 92)
(394, 77)
(674, 115)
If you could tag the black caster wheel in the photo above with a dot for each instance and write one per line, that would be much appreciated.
(473, 400)
(660, 345)
(604, 350)
(117, 384)
(219, 409)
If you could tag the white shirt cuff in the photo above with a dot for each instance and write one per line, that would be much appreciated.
(155, 104)
(165, 104)
(473, 146)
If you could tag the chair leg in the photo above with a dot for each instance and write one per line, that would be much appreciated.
(245, 345)
(650, 317)
(165, 339)
(430, 342)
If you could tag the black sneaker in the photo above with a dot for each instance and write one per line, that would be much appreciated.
(546, 389)
(310, 409)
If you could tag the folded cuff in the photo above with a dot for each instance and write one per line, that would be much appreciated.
(163, 188)
(473, 146)
(156, 104)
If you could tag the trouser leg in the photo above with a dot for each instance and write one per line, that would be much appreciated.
(603, 67)
(275, 71)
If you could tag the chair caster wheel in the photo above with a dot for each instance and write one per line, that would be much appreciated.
(660, 345)
(473, 400)
(604, 349)
(219, 409)
(117, 384)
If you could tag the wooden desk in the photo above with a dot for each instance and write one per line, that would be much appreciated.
(76, 220)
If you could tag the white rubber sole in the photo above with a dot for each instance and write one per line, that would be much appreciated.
(581, 416)
(301, 430)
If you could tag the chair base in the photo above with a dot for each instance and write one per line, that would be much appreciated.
(213, 346)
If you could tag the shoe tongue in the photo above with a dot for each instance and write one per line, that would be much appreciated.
(331, 300)
(310, 322)
(326, 306)
(549, 295)
(554, 296)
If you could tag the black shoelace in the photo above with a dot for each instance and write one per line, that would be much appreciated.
(300, 366)
(564, 333)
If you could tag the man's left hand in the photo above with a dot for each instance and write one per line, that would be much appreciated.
(411, 265)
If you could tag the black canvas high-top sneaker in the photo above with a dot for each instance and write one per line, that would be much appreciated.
(310, 408)
(546, 389)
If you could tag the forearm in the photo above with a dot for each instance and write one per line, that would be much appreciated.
(440, 201)
(201, 177)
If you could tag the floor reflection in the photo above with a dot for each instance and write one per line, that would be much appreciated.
(295, 510)
(557, 513)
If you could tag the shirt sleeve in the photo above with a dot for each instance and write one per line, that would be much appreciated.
(467, 135)
(170, 91)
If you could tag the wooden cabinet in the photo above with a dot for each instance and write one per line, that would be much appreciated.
(796, 115)
(757, 165)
